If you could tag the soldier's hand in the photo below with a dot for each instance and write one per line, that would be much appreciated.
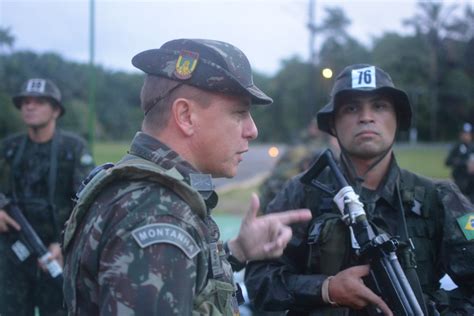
(265, 236)
(56, 254)
(6, 221)
(347, 289)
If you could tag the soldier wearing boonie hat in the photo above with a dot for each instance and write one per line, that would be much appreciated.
(319, 273)
(41, 88)
(40, 171)
(141, 239)
(365, 78)
(461, 159)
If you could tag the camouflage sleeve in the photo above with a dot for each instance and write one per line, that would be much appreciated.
(458, 239)
(146, 250)
(148, 270)
(83, 164)
(282, 284)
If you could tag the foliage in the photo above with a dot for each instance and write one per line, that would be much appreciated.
(433, 65)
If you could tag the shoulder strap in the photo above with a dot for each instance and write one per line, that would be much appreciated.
(410, 181)
(52, 176)
(16, 163)
(132, 168)
(418, 188)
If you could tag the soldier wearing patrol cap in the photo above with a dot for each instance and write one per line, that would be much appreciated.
(40, 171)
(318, 273)
(461, 159)
(141, 240)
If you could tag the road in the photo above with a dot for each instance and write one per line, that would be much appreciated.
(255, 165)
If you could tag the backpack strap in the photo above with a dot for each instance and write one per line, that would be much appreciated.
(132, 168)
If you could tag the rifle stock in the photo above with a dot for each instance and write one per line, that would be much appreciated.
(386, 277)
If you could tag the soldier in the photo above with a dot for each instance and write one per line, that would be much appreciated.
(461, 160)
(322, 276)
(141, 240)
(40, 171)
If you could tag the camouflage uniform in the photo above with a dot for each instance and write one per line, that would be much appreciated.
(27, 172)
(439, 222)
(294, 161)
(141, 240)
(457, 159)
(132, 276)
(432, 211)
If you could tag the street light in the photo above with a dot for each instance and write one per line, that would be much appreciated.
(327, 73)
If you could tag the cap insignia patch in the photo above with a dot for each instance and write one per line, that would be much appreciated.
(364, 77)
(36, 85)
(186, 64)
(466, 223)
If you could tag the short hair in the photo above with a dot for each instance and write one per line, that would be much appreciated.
(159, 93)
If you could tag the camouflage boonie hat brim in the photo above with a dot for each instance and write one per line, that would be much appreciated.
(370, 79)
(206, 64)
(40, 88)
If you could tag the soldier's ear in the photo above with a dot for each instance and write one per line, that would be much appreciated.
(182, 111)
(56, 111)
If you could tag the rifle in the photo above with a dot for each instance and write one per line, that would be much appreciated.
(32, 240)
(386, 277)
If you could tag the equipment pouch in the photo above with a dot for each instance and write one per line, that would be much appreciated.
(217, 298)
(328, 239)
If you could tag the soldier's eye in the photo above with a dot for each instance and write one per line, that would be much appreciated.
(348, 108)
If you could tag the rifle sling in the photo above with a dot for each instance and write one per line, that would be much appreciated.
(409, 269)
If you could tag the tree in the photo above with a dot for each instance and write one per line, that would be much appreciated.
(6, 39)
(432, 23)
(335, 25)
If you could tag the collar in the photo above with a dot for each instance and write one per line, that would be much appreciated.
(387, 188)
(150, 148)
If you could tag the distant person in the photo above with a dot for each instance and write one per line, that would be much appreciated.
(320, 271)
(40, 171)
(141, 240)
(461, 160)
(296, 159)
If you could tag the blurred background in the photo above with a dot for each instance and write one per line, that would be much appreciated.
(296, 49)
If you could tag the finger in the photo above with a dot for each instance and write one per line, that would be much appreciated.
(253, 209)
(360, 271)
(10, 221)
(3, 227)
(377, 301)
(278, 245)
(292, 216)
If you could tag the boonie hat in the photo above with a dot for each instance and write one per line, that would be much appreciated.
(38, 87)
(206, 64)
(364, 77)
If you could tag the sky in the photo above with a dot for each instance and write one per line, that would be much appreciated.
(268, 31)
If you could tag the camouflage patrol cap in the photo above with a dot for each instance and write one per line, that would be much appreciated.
(365, 78)
(38, 87)
(206, 64)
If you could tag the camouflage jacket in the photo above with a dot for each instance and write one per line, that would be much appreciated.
(42, 191)
(147, 245)
(440, 222)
